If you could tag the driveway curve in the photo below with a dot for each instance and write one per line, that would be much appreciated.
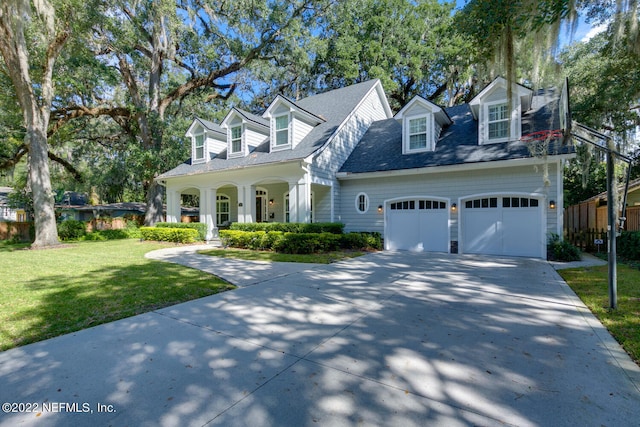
(391, 338)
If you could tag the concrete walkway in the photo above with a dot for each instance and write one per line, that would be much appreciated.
(389, 339)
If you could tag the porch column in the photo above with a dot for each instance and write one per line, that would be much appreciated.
(246, 197)
(173, 206)
(300, 200)
(208, 210)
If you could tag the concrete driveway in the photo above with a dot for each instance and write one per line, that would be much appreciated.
(392, 339)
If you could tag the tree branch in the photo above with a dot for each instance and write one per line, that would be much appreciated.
(68, 166)
(62, 116)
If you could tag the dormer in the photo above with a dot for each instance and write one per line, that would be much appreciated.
(422, 122)
(491, 109)
(289, 123)
(244, 131)
(207, 138)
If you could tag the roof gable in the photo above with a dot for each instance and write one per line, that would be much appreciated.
(498, 89)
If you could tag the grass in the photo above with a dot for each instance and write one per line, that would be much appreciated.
(591, 285)
(245, 254)
(46, 293)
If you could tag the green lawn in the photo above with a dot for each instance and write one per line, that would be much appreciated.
(322, 258)
(46, 293)
(591, 285)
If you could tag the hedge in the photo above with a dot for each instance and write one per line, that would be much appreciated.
(299, 243)
(177, 235)
(200, 227)
(628, 245)
(71, 229)
(289, 227)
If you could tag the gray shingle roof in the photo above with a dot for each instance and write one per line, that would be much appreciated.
(333, 106)
(380, 149)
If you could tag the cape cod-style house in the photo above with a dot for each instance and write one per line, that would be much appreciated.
(459, 179)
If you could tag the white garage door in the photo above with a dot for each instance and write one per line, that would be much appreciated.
(509, 225)
(419, 225)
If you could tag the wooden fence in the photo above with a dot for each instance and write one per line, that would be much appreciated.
(588, 240)
(586, 216)
(15, 230)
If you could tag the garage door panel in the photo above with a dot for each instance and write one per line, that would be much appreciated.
(417, 225)
(502, 226)
(522, 231)
(401, 231)
(434, 231)
(482, 232)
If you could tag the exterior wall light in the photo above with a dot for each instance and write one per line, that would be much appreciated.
(240, 204)
(552, 204)
(379, 208)
(454, 207)
(270, 202)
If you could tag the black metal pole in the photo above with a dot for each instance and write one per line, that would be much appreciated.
(611, 206)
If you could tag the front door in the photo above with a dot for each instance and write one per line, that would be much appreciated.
(261, 206)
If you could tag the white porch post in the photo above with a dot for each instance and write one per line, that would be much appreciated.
(246, 196)
(208, 210)
(173, 206)
(300, 200)
(212, 230)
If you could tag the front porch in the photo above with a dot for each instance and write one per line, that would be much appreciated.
(271, 200)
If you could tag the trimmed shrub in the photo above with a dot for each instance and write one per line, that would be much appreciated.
(362, 241)
(71, 229)
(628, 245)
(561, 250)
(290, 227)
(299, 243)
(200, 227)
(176, 235)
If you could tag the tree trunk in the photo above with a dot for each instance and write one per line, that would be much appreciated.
(40, 182)
(154, 213)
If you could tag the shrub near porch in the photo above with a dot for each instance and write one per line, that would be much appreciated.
(294, 238)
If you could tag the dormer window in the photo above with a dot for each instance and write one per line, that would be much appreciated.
(422, 122)
(498, 121)
(281, 130)
(418, 134)
(289, 123)
(199, 147)
(236, 139)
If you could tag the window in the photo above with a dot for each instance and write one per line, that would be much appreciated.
(484, 203)
(282, 130)
(199, 145)
(222, 209)
(418, 133)
(362, 203)
(287, 217)
(236, 139)
(519, 202)
(498, 123)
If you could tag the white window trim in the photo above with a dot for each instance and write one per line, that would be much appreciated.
(230, 152)
(222, 198)
(195, 146)
(407, 135)
(274, 132)
(366, 203)
(513, 122)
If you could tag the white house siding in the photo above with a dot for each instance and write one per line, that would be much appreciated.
(214, 145)
(452, 185)
(254, 138)
(342, 144)
(328, 162)
(300, 129)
